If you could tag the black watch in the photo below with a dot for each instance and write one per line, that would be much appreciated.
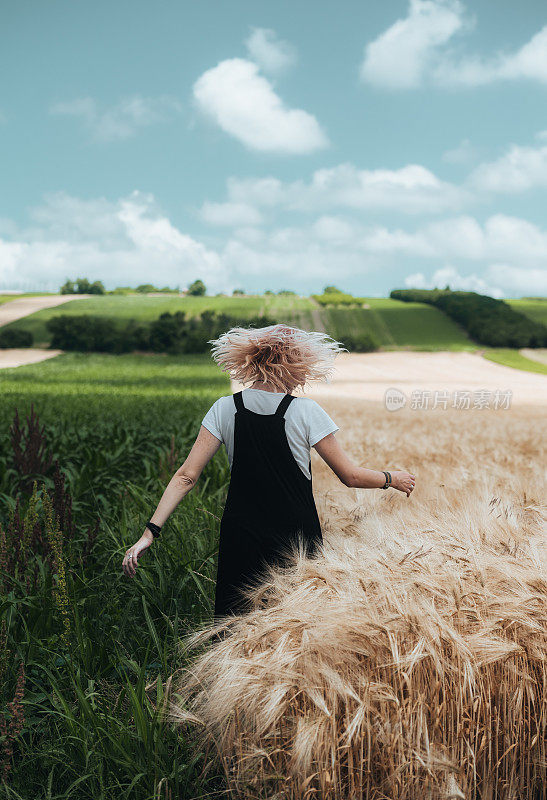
(155, 529)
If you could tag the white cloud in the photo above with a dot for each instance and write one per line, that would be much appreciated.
(120, 121)
(126, 242)
(450, 276)
(402, 55)
(463, 153)
(501, 237)
(412, 189)
(519, 281)
(232, 214)
(131, 241)
(418, 50)
(517, 170)
(244, 104)
(272, 54)
(333, 229)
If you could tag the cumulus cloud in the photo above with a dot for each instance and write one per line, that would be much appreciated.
(422, 48)
(501, 237)
(519, 169)
(131, 240)
(230, 214)
(412, 189)
(402, 55)
(519, 281)
(244, 104)
(450, 276)
(463, 153)
(272, 54)
(120, 121)
(125, 242)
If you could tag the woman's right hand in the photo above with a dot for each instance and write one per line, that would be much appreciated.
(403, 481)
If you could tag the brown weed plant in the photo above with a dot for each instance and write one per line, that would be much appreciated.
(31, 455)
(408, 660)
(12, 723)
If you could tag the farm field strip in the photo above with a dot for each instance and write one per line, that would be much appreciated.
(535, 309)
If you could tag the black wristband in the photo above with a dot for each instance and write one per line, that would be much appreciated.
(387, 484)
(153, 528)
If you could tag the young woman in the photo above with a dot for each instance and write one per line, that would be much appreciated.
(268, 434)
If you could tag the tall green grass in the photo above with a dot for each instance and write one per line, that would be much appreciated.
(118, 426)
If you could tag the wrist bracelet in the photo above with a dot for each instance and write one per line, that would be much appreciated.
(153, 528)
(387, 484)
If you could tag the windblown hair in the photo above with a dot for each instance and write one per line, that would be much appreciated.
(280, 355)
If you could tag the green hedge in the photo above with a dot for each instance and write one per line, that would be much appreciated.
(12, 337)
(170, 333)
(487, 320)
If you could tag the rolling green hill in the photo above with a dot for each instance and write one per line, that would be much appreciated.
(391, 323)
(535, 309)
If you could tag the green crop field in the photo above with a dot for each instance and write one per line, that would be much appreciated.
(144, 308)
(395, 324)
(392, 323)
(91, 638)
(536, 309)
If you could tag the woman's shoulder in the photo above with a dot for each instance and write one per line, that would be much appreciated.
(306, 406)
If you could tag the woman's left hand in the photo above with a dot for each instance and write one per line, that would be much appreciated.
(129, 563)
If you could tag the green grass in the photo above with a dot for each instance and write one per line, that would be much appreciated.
(141, 307)
(392, 323)
(119, 426)
(536, 310)
(395, 324)
(512, 358)
(6, 298)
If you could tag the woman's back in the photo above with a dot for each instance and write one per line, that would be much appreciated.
(306, 423)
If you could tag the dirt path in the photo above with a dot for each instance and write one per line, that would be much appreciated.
(367, 376)
(17, 309)
(19, 357)
(535, 355)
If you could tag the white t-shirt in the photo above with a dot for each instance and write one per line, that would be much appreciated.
(306, 423)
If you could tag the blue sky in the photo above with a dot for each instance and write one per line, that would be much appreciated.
(275, 144)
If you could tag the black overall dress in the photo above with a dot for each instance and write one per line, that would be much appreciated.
(269, 504)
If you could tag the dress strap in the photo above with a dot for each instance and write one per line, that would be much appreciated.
(238, 400)
(283, 405)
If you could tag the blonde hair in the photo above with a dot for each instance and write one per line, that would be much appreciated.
(280, 355)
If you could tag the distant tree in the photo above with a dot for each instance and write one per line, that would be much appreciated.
(285, 292)
(82, 286)
(68, 287)
(144, 288)
(197, 288)
(269, 291)
(332, 290)
(238, 292)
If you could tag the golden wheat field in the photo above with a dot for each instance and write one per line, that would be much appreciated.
(408, 660)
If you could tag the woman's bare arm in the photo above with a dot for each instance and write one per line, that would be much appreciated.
(350, 474)
(182, 482)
